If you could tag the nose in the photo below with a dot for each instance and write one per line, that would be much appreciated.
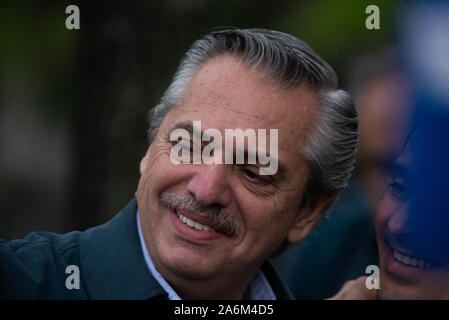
(399, 221)
(401, 230)
(210, 185)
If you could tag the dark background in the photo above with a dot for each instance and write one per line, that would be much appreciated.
(74, 103)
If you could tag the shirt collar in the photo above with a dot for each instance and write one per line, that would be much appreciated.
(258, 289)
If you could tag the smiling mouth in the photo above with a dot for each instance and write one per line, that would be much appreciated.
(193, 224)
(411, 261)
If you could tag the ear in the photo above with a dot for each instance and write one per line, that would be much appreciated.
(144, 161)
(307, 217)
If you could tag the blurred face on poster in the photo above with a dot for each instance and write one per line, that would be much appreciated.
(413, 264)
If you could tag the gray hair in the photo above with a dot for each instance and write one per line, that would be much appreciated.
(331, 145)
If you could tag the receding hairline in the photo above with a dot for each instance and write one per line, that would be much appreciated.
(259, 76)
(260, 72)
(264, 80)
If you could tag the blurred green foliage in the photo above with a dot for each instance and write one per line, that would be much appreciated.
(98, 83)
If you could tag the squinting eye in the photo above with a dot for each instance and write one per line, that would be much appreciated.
(253, 176)
(399, 190)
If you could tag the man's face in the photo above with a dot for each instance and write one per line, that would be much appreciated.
(407, 271)
(224, 94)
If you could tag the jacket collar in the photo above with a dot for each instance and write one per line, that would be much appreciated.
(112, 263)
(278, 286)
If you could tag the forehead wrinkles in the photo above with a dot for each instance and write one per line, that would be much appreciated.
(225, 84)
(229, 86)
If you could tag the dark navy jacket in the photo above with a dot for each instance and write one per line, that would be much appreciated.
(109, 258)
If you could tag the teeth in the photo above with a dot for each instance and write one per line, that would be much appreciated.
(193, 224)
(411, 261)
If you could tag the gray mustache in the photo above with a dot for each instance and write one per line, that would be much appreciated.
(213, 213)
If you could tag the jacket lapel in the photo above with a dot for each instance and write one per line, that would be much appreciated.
(278, 286)
(112, 263)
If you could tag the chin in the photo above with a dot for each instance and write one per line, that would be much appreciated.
(188, 265)
(390, 290)
(393, 293)
(404, 294)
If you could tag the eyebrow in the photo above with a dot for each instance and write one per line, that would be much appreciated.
(188, 125)
(399, 169)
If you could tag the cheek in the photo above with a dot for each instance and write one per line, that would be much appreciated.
(379, 218)
(159, 174)
(267, 220)
(383, 212)
(388, 208)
